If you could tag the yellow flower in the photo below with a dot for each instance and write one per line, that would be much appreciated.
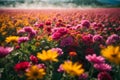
(48, 55)
(74, 69)
(112, 53)
(12, 39)
(35, 73)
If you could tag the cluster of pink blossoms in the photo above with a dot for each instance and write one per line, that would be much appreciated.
(99, 64)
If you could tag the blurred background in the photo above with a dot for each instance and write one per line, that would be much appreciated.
(58, 3)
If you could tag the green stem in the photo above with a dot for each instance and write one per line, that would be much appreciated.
(118, 73)
(91, 70)
(49, 71)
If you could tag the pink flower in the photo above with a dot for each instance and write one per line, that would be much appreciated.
(60, 69)
(5, 51)
(102, 67)
(59, 50)
(95, 59)
(21, 31)
(85, 23)
(22, 39)
(104, 76)
(41, 66)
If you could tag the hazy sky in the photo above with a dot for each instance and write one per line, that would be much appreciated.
(110, 1)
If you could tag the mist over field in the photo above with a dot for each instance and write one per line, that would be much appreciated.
(58, 3)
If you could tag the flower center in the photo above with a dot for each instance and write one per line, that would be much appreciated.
(35, 74)
(114, 55)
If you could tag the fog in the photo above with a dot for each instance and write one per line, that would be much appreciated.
(43, 4)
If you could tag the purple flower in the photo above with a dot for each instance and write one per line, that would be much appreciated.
(102, 67)
(85, 23)
(97, 38)
(112, 39)
(104, 76)
(66, 41)
(59, 50)
(22, 39)
(95, 59)
(5, 51)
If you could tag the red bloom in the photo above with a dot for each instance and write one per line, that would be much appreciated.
(34, 59)
(22, 66)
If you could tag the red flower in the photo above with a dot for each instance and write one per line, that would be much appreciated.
(34, 59)
(22, 66)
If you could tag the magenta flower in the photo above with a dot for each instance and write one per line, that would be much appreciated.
(32, 34)
(58, 32)
(62, 31)
(28, 29)
(66, 41)
(85, 24)
(95, 59)
(102, 67)
(56, 36)
(104, 76)
(97, 38)
(112, 39)
(5, 51)
(59, 50)
(22, 39)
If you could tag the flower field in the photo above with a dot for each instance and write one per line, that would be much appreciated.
(60, 44)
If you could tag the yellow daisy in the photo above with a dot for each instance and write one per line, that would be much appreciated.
(48, 55)
(112, 53)
(74, 69)
(35, 73)
(12, 39)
